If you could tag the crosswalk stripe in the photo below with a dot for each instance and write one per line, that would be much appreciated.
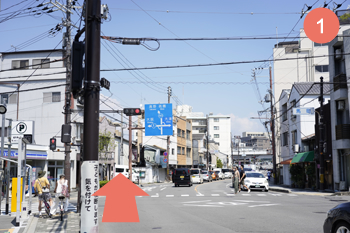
(244, 194)
(169, 195)
(185, 195)
(261, 195)
(230, 194)
(215, 195)
(292, 195)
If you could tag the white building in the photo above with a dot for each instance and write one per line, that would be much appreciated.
(292, 127)
(340, 105)
(40, 99)
(220, 131)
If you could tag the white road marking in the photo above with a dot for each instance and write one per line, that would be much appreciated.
(262, 195)
(231, 195)
(188, 202)
(292, 195)
(163, 189)
(169, 195)
(215, 195)
(276, 194)
(244, 194)
(185, 195)
(203, 205)
(157, 195)
(262, 205)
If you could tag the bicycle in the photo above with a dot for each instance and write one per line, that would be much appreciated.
(46, 205)
(61, 197)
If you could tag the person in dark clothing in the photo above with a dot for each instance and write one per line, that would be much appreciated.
(242, 177)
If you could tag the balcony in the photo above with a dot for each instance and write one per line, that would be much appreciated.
(342, 131)
(339, 82)
(343, 16)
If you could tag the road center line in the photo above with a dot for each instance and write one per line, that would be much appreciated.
(169, 195)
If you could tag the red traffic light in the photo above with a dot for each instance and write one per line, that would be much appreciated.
(137, 110)
(132, 111)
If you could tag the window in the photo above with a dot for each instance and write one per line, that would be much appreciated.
(183, 150)
(321, 68)
(79, 130)
(178, 150)
(183, 133)
(188, 152)
(293, 105)
(38, 63)
(294, 137)
(172, 151)
(216, 136)
(285, 139)
(284, 112)
(179, 132)
(216, 119)
(317, 44)
(20, 64)
(50, 97)
(188, 134)
(216, 127)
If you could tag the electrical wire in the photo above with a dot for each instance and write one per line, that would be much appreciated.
(33, 89)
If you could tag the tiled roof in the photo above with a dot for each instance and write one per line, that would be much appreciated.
(303, 88)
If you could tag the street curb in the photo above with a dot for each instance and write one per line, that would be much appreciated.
(31, 225)
(279, 190)
(341, 194)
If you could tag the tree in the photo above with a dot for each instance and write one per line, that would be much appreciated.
(106, 148)
(218, 163)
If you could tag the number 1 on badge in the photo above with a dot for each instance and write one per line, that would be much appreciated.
(321, 22)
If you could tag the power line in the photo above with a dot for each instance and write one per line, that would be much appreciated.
(217, 64)
(34, 89)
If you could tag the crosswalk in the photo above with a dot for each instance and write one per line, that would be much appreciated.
(224, 194)
(34, 208)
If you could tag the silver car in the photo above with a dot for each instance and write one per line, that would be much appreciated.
(207, 176)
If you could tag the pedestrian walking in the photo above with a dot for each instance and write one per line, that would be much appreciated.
(235, 179)
(61, 189)
(42, 188)
(241, 180)
(268, 175)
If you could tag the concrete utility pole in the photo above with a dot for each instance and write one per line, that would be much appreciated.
(67, 112)
(8, 168)
(130, 148)
(207, 144)
(272, 124)
(2, 150)
(321, 128)
(168, 142)
(90, 165)
(122, 138)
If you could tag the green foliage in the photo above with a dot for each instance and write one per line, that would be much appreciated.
(296, 173)
(102, 183)
(345, 16)
(106, 143)
(218, 163)
(311, 173)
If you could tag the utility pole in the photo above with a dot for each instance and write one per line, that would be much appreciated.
(272, 124)
(207, 144)
(168, 142)
(2, 149)
(130, 148)
(122, 138)
(321, 127)
(90, 165)
(8, 164)
(67, 112)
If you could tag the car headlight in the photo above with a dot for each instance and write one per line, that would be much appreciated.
(266, 182)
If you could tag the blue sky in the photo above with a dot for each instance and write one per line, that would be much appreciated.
(205, 18)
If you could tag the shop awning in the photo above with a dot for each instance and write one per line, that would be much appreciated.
(304, 157)
(288, 161)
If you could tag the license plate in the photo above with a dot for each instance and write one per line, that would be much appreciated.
(193, 176)
(182, 177)
(257, 186)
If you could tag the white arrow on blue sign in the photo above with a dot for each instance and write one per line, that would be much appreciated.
(158, 119)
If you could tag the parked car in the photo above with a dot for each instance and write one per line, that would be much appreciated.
(124, 169)
(227, 173)
(197, 176)
(338, 219)
(182, 176)
(221, 175)
(214, 175)
(256, 180)
(207, 176)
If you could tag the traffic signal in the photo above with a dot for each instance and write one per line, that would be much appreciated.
(78, 50)
(132, 111)
(52, 143)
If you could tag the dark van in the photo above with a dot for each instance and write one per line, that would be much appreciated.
(182, 176)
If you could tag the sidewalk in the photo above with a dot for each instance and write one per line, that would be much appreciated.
(285, 189)
(45, 224)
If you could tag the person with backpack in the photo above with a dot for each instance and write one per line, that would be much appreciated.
(41, 188)
(241, 181)
(61, 189)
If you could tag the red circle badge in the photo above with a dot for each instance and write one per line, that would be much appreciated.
(321, 25)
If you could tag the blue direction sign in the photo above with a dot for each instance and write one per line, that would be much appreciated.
(158, 119)
(303, 111)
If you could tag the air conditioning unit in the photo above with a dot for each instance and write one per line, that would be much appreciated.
(338, 54)
(341, 105)
(296, 148)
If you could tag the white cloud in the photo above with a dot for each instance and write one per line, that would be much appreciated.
(242, 124)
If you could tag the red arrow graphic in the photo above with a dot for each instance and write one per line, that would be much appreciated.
(120, 205)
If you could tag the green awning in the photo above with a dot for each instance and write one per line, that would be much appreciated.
(304, 157)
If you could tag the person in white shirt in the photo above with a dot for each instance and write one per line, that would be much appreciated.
(58, 190)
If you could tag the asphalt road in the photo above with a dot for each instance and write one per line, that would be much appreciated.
(212, 207)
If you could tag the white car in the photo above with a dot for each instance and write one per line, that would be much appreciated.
(197, 176)
(220, 174)
(227, 173)
(256, 180)
(124, 169)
